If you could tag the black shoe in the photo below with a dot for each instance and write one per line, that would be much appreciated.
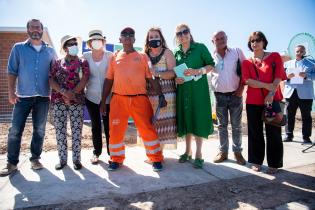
(60, 166)
(307, 140)
(288, 139)
(113, 166)
(77, 165)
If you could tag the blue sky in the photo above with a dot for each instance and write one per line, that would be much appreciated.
(280, 20)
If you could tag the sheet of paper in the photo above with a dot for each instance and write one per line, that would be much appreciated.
(179, 71)
(296, 79)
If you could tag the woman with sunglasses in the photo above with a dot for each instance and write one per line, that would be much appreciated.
(262, 74)
(98, 60)
(193, 107)
(67, 78)
(163, 62)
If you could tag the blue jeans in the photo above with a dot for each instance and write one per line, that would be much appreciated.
(226, 104)
(39, 107)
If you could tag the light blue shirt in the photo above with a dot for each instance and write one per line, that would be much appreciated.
(31, 68)
(305, 90)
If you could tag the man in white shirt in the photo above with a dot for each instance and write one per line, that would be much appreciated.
(225, 81)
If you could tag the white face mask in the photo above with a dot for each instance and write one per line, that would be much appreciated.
(97, 44)
(73, 50)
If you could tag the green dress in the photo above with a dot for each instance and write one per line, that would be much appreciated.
(193, 106)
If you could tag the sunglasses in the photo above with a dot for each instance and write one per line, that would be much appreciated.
(255, 40)
(71, 44)
(126, 35)
(183, 32)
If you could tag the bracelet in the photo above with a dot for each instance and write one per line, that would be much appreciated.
(204, 70)
(271, 93)
(62, 90)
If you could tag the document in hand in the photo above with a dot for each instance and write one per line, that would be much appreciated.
(179, 71)
(296, 79)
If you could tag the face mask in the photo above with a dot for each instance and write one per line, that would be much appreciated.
(97, 44)
(155, 43)
(73, 50)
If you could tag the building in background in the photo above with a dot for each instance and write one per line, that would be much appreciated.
(8, 37)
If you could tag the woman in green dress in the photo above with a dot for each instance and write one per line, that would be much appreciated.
(193, 107)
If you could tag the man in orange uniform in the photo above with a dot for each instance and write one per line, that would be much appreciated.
(127, 74)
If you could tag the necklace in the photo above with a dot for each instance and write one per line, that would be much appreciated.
(259, 61)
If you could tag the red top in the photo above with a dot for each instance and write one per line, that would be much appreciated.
(265, 74)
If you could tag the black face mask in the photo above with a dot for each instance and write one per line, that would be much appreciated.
(155, 43)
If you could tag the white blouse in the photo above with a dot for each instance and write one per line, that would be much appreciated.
(98, 70)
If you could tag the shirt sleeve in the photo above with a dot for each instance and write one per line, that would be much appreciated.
(310, 73)
(241, 55)
(110, 70)
(245, 71)
(206, 56)
(85, 68)
(54, 68)
(279, 71)
(14, 61)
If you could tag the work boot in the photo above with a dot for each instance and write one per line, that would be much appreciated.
(9, 169)
(221, 156)
(239, 158)
(36, 165)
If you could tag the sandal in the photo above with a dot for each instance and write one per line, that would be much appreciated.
(94, 160)
(256, 167)
(184, 157)
(271, 170)
(198, 163)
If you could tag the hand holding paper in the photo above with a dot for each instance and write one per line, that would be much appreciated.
(296, 79)
(179, 71)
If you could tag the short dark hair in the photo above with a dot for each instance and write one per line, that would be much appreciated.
(127, 30)
(34, 20)
(261, 36)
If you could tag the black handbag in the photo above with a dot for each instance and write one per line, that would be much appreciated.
(275, 113)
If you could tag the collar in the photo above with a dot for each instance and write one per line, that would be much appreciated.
(192, 46)
(228, 49)
(28, 42)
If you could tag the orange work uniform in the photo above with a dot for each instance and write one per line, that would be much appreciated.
(129, 73)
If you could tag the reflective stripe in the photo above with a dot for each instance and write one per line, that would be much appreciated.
(117, 153)
(151, 143)
(153, 151)
(114, 146)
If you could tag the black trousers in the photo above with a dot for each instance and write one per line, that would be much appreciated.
(305, 106)
(96, 120)
(256, 142)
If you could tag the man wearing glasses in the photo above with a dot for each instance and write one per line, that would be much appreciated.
(127, 74)
(29, 65)
(228, 91)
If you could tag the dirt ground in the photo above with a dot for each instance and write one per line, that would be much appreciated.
(50, 136)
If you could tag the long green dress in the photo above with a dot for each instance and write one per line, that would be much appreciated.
(193, 106)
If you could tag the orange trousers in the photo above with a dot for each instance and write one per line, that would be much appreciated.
(140, 109)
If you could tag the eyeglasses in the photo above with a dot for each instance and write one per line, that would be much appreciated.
(183, 32)
(126, 35)
(255, 40)
(70, 44)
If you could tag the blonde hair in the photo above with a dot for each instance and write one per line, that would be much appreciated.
(182, 25)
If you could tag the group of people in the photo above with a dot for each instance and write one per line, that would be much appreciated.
(145, 86)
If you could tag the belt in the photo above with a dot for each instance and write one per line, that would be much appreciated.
(225, 94)
(131, 95)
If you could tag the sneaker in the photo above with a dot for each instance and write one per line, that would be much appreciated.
(77, 165)
(239, 158)
(157, 166)
(94, 160)
(36, 165)
(288, 139)
(307, 140)
(9, 169)
(60, 166)
(113, 166)
(221, 156)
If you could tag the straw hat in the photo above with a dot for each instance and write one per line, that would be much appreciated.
(67, 38)
(96, 34)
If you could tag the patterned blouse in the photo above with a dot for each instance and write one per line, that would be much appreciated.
(68, 74)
